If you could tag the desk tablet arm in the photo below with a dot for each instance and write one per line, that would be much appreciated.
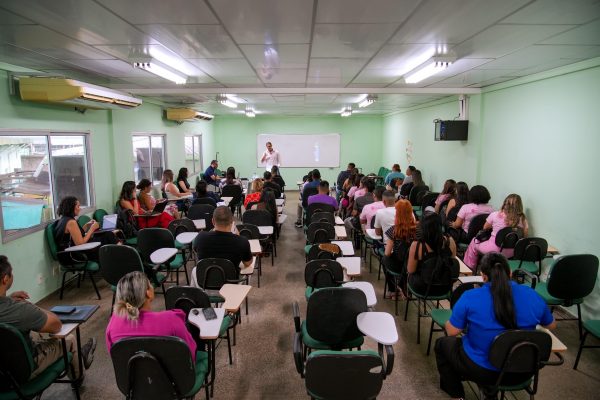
(519, 276)
(298, 354)
(296, 314)
(387, 358)
(560, 360)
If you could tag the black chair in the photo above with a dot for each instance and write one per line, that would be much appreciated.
(528, 255)
(318, 232)
(507, 237)
(427, 200)
(234, 191)
(17, 364)
(158, 367)
(263, 218)
(178, 226)
(202, 211)
(185, 298)
(416, 195)
(251, 232)
(322, 216)
(520, 352)
(593, 327)
(323, 251)
(306, 193)
(322, 273)
(570, 280)
(117, 261)
(213, 273)
(317, 208)
(462, 240)
(152, 239)
(205, 200)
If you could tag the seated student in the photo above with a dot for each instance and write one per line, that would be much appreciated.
(511, 214)
(269, 184)
(353, 221)
(459, 198)
(385, 217)
(418, 183)
(432, 243)
(147, 203)
(202, 193)
(407, 184)
(482, 314)
(478, 204)
(31, 320)
(445, 195)
(369, 210)
(344, 200)
(343, 175)
(394, 178)
(182, 181)
(67, 231)
(230, 178)
(133, 315)
(254, 193)
(356, 186)
(222, 243)
(314, 179)
(267, 202)
(323, 196)
(400, 237)
(306, 179)
(210, 175)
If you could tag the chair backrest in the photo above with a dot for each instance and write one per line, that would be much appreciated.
(323, 273)
(344, 374)
(257, 217)
(16, 362)
(306, 193)
(405, 189)
(234, 191)
(213, 273)
(573, 276)
(182, 225)
(477, 223)
(202, 211)
(185, 298)
(159, 367)
(117, 261)
(82, 220)
(331, 314)
(49, 233)
(318, 208)
(320, 232)
(416, 194)
(152, 239)
(531, 249)
(323, 251)
(520, 351)
(439, 271)
(249, 231)
(507, 237)
(99, 215)
(205, 200)
(322, 216)
(460, 290)
(428, 199)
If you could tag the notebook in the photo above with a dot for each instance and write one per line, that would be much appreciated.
(81, 313)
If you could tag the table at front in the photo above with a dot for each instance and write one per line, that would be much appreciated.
(367, 289)
(266, 230)
(350, 264)
(234, 295)
(346, 247)
(338, 220)
(255, 247)
(186, 237)
(379, 326)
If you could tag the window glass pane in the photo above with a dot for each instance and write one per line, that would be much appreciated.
(197, 153)
(158, 158)
(141, 157)
(69, 168)
(25, 190)
(190, 163)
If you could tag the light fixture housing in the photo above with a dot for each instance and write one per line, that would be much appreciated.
(367, 101)
(250, 112)
(157, 69)
(429, 68)
(346, 111)
(222, 99)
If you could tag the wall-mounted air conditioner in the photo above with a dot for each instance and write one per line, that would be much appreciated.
(187, 114)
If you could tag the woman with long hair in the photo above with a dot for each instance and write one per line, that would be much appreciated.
(267, 202)
(147, 202)
(127, 199)
(481, 314)
(479, 198)
(171, 191)
(255, 192)
(459, 199)
(510, 215)
(133, 315)
(445, 195)
(182, 181)
(230, 178)
(400, 238)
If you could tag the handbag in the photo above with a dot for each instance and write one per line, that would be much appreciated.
(483, 235)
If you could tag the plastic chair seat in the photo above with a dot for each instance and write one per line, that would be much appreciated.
(91, 266)
(542, 289)
(176, 263)
(529, 266)
(180, 246)
(430, 297)
(440, 316)
(517, 387)
(307, 248)
(318, 345)
(593, 327)
(201, 371)
(131, 241)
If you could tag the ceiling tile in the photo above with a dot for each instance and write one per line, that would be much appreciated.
(451, 22)
(360, 11)
(586, 34)
(349, 40)
(8, 18)
(28, 59)
(476, 76)
(402, 58)
(282, 76)
(277, 55)
(162, 12)
(333, 71)
(556, 12)
(379, 76)
(224, 67)
(539, 54)
(264, 21)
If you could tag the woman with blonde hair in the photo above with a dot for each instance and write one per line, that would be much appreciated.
(400, 238)
(255, 192)
(511, 214)
(133, 315)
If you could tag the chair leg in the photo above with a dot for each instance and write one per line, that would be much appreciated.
(94, 284)
(419, 321)
(581, 344)
(62, 287)
(579, 321)
(379, 272)
(408, 300)
(430, 337)
(112, 305)
(229, 348)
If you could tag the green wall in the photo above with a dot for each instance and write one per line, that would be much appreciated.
(235, 139)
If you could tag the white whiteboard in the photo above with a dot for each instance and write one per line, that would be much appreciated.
(321, 150)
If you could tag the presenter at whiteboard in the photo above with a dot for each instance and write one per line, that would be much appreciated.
(270, 157)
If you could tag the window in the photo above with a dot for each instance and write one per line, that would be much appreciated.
(37, 170)
(193, 154)
(148, 157)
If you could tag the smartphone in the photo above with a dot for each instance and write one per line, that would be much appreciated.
(209, 313)
(63, 309)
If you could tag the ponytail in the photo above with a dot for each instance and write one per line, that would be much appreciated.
(131, 295)
(495, 267)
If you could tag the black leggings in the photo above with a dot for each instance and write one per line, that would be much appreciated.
(393, 265)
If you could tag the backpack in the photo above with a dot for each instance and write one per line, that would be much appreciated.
(126, 222)
(439, 269)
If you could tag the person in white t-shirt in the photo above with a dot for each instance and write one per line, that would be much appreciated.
(385, 217)
(270, 157)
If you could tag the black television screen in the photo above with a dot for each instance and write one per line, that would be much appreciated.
(451, 130)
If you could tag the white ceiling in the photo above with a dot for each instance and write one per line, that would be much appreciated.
(297, 57)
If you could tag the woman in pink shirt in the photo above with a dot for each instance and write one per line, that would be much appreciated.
(511, 214)
(479, 197)
(133, 315)
(446, 194)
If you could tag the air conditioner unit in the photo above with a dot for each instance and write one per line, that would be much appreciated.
(187, 114)
(73, 93)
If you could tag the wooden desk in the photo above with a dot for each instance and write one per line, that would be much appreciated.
(255, 246)
(162, 255)
(338, 220)
(463, 267)
(266, 230)
(186, 237)
(346, 247)
(373, 235)
(367, 289)
(249, 270)
(280, 202)
(552, 250)
(226, 200)
(379, 326)
(83, 247)
(471, 278)
(557, 345)
(351, 265)
(340, 232)
(209, 330)
(234, 295)
(65, 330)
(199, 223)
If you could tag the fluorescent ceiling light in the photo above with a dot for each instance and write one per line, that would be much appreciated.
(158, 70)
(234, 98)
(429, 68)
(346, 112)
(367, 101)
(222, 99)
(250, 113)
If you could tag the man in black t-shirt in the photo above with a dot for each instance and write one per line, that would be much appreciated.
(221, 243)
(269, 184)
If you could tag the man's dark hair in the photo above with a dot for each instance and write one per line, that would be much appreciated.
(479, 195)
(267, 175)
(378, 192)
(201, 189)
(316, 174)
(5, 267)
(412, 168)
(396, 167)
(370, 185)
(324, 185)
(66, 208)
(351, 166)
(223, 216)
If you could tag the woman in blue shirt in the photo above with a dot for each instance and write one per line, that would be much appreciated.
(500, 304)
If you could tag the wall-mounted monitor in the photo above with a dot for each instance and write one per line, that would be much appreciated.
(451, 130)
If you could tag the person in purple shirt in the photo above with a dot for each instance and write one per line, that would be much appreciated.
(323, 196)
(484, 313)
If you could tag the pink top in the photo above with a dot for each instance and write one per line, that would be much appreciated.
(150, 323)
(497, 220)
(352, 190)
(468, 211)
(442, 198)
(359, 192)
(369, 211)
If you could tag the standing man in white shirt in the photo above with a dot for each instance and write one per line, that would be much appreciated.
(270, 157)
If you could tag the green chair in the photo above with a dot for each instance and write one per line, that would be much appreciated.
(322, 273)
(74, 262)
(571, 278)
(318, 232)
(16, 366)
(593, 327)
(528, 255)
(82, 220)
(152, 239)
(99, 215)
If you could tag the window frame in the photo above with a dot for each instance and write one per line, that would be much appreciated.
(48, 133)
(197, 169)
(149, 135)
